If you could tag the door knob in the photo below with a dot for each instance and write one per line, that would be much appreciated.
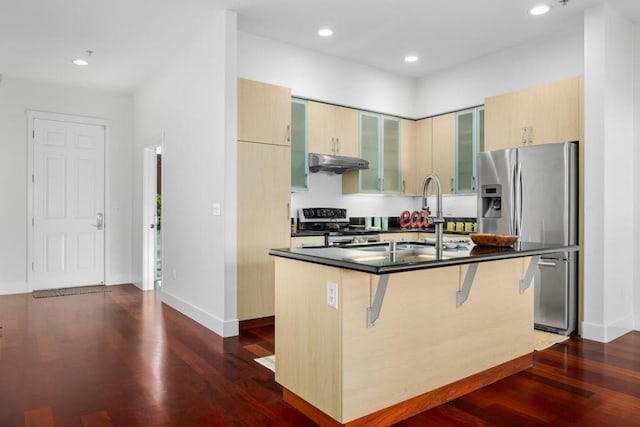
(99, 221)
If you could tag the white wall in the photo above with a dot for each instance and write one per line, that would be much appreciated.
(555, 57)
(321, 77)
(18, 95)
(325, 78)
(192, 101)
(609, 174)
(325, 190)
(636, 169)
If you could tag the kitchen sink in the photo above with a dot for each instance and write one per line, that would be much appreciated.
(384, 247)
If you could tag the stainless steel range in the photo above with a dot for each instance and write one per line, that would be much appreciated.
(335, 223)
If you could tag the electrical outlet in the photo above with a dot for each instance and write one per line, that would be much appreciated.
(217, 210)
(332, 294)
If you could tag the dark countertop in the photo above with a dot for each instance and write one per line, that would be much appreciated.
(376, 260)
(305, 233)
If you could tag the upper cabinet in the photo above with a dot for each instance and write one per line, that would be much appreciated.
(264, 112)
(380, 146)
(444, 134)
(408, 157)
(469, 140)
(299, 138)
(333, 129)
(423, 153)
(538, 115)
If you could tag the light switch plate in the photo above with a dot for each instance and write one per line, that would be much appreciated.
(332, 294)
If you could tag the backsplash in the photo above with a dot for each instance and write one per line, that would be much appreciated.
(325, 190)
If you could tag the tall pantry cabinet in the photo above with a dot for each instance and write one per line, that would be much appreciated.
(264, 179)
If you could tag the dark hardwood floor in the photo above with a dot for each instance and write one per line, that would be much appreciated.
(122, 358)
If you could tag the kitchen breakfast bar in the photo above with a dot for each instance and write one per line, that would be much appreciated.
(373, 334)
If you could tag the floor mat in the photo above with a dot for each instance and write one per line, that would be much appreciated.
(46, 293)
(544, 340)
(268, 362)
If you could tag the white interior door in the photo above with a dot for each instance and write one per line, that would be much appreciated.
(150, 220)
(67, 239)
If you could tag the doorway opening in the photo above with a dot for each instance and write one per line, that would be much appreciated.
(158, 248)
(152, 219)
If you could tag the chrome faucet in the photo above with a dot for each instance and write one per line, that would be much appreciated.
(438, 221)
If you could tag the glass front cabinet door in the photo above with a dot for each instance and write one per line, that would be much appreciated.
(469, 140)
(380, 146)
(299, 138)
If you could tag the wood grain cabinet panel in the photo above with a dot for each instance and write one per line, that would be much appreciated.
(264, 180)
(444, 139)
(333, 129)
(541, 114)
(264, 112)
(263, 223)
(424, 152)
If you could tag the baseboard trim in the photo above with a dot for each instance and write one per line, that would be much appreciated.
(407, 409)
(228, 328)
(260, 322)
(607, 333)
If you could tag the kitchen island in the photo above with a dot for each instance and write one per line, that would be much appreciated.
(370, 336)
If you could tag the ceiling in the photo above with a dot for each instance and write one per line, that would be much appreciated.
(132, 38)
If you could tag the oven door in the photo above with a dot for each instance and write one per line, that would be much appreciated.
(337, 239)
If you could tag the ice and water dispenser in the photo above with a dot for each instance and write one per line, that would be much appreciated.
(491, 197)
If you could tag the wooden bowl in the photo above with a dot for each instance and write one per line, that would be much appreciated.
(486, 239)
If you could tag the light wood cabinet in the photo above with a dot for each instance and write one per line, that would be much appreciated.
(263, 223)
(424, 152)
(538, 115)
(264, 180)
(305, 241)
(264, 112)
(396, 237)
(408, 162)
(333, 129)
(444, 135)
(331, 360)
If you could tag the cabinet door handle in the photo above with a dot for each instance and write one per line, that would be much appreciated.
(473, 183)
(288, 133)
(337, 145)
(333, 145)
(524, 135)
(451, 185)
(403, 186)
(530, 135)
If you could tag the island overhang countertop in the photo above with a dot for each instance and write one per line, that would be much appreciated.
(413, 255)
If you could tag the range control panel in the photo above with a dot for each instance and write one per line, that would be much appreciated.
(322, 214)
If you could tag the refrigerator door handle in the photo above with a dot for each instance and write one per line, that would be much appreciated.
(547, 264)
(518, 198)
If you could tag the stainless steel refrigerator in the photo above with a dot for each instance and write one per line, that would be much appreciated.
(532, 192)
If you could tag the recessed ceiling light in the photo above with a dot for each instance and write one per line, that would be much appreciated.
(80, 62)
(540, 9)
(325, 32)
(411, 58)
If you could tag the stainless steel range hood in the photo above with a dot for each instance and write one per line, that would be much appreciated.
(335, 164)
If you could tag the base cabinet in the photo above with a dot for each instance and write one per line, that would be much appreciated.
(422, 341)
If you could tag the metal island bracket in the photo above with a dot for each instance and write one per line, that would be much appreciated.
(523, 285)
(462, 295)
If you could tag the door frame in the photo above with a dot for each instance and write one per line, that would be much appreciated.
(149, 182)
(67, 118)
